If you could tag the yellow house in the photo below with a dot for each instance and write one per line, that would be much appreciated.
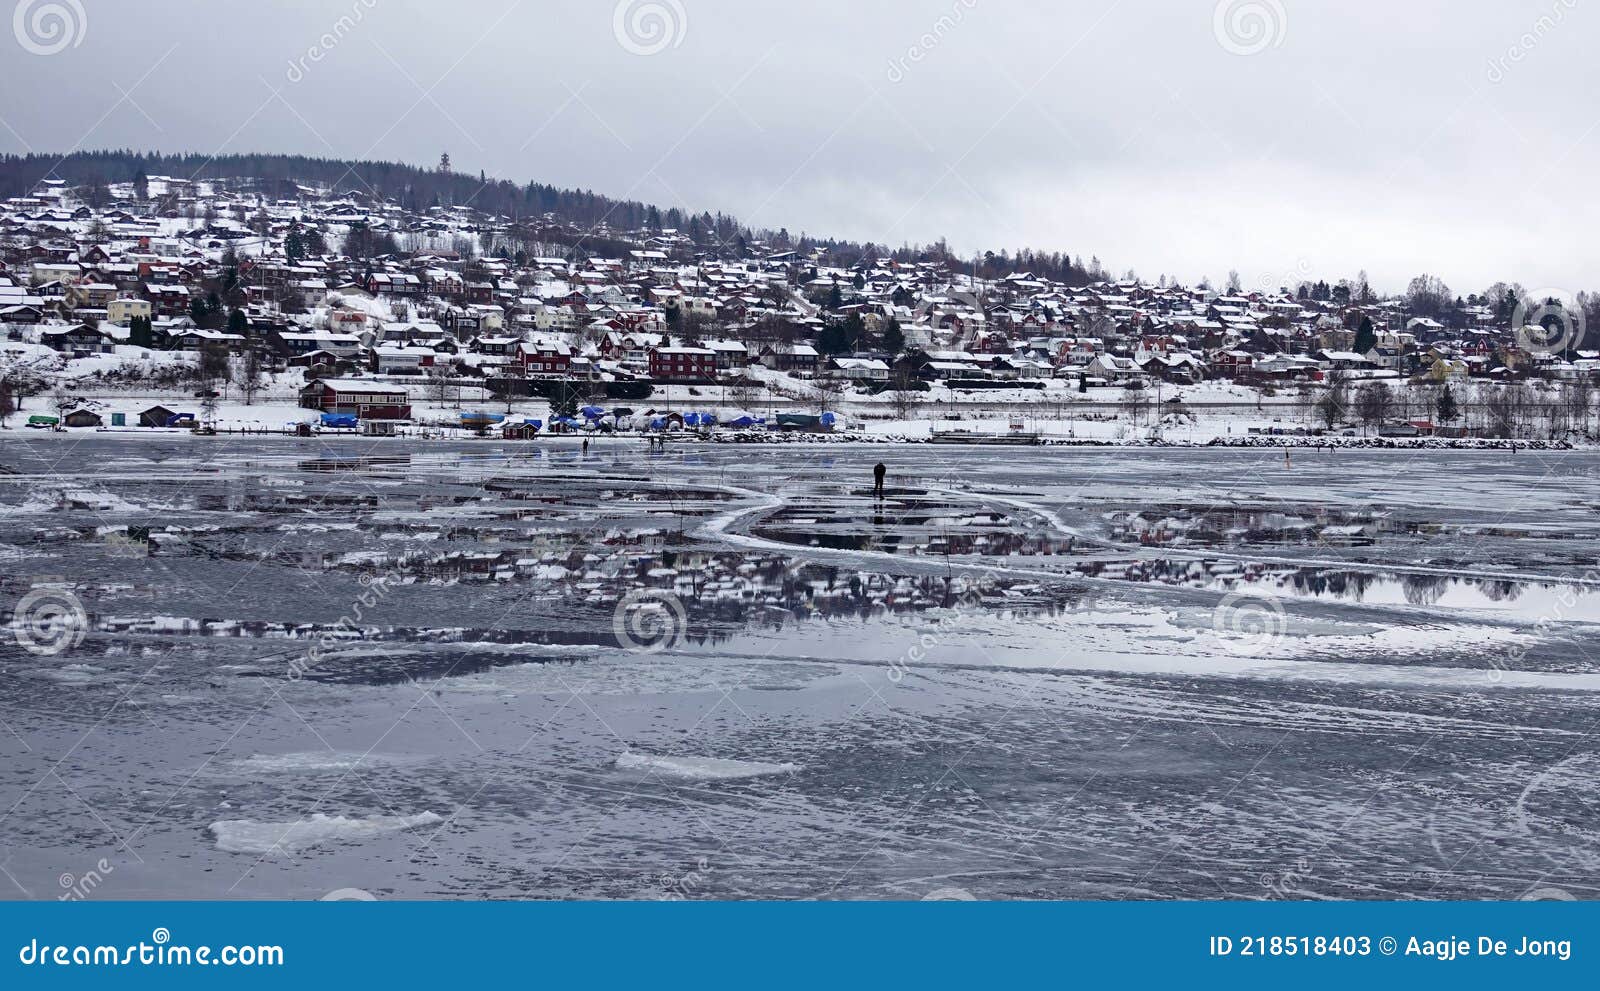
(122, 310)
(1444, 370)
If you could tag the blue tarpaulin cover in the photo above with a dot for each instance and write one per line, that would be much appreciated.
(338, 419)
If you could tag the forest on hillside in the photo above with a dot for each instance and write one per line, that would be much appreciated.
(419, 189)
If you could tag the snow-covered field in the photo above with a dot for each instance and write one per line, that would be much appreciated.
(493, 670)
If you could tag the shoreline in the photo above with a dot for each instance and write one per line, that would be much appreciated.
(774, 438)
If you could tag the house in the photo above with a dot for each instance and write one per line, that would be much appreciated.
(496, 346)
(124, 309)
(400, 361)
(197, 339)
(859, 369)
(545, 356)
(67, 272)
(342, 345)
(21, 314)
(156, 416)
(80, 341)
(384, 284)
(802, 358)
(1233, 363)
(730, 354)
(90, 295)
(356, 396)
(1178, 368)
(82, 418)
(676, 364)
(1113, 368)
(1343, 361)
(1390, 358)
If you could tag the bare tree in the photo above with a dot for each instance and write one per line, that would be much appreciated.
(744, 393)
(1499, 411)
(1580, 395)
(248, 375)
(439, 385)
(906, 394)
(1333, 407)
(826, 392)
(1373, 403)
(1135, 400)
(214, 364)
(62, 401)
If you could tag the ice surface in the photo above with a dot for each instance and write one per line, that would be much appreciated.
(247, 836)
(700, 768)
(1017, 675)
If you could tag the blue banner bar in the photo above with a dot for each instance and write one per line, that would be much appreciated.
(801, 945)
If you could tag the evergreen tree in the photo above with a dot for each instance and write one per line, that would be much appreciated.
(833, 339)
(564, 400)
(894, 339)
(1447, 406)
(1366, 337)
(854, 330)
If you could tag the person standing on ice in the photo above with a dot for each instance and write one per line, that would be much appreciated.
(877, 480)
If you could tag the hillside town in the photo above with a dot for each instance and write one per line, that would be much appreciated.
(216, 298)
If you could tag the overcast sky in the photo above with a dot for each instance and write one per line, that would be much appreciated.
(1283, 138)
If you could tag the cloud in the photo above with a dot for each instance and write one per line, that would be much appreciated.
(1454, 138)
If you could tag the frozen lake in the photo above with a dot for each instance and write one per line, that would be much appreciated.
(482, 670)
